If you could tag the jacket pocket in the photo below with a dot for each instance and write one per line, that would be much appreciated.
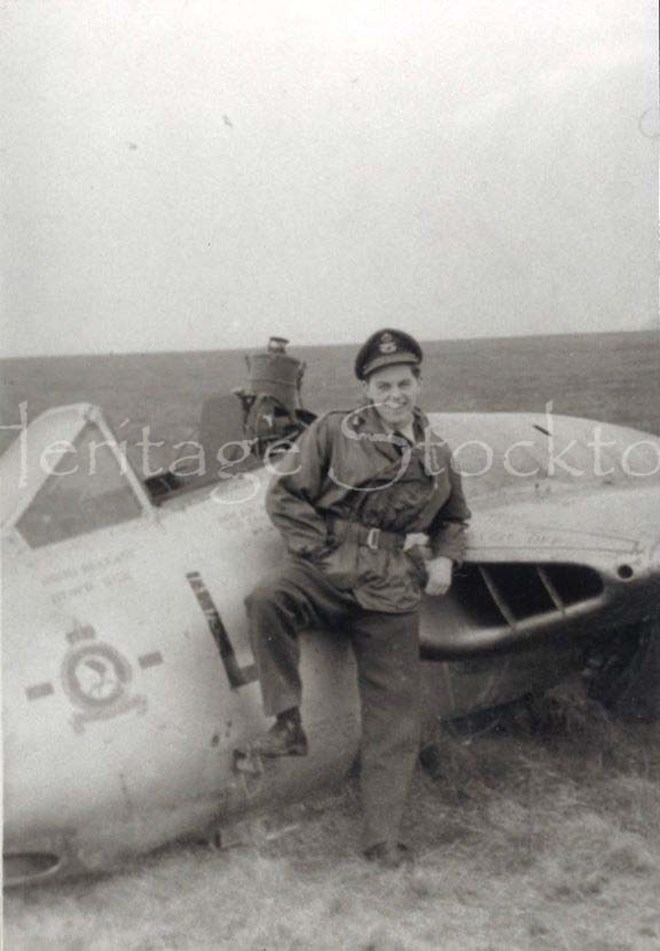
(338, 562)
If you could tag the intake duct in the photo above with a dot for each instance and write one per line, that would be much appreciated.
(516, 592)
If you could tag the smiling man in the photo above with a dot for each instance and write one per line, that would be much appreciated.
(350, 491)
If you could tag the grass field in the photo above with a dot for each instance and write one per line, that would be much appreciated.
(528, 838)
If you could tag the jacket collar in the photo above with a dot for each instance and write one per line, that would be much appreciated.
(366, 421)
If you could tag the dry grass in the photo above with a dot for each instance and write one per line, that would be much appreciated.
(543, 833)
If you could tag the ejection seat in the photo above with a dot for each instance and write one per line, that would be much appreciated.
(272, 406)
(237, 430)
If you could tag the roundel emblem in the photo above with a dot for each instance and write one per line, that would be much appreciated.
(95, 676)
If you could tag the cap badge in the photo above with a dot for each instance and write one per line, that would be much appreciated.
(387, 344)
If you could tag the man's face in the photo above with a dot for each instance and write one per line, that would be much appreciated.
(394, 391)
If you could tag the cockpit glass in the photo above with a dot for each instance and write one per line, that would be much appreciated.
(86, 490)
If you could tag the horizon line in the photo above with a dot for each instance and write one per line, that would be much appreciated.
(345, 343)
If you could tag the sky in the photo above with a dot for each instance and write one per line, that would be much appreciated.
(203, 174)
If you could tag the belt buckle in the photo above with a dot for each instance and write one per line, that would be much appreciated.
(372, 538)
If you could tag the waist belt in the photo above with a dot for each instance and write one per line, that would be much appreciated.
(373, 538)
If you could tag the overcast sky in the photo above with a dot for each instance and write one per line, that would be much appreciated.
(201, 174)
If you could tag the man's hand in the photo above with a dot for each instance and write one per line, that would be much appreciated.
(439, 571)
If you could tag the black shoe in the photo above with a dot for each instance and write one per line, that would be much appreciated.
(389, 854)
(285, 738)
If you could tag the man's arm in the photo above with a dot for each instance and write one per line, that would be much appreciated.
(291, 496)
(447, 530)
(447, 537)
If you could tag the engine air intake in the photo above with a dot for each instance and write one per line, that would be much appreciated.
(518, 592)
(20, 868)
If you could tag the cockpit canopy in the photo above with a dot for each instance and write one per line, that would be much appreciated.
(66, 476)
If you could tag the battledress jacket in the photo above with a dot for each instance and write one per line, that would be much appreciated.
(348, 469)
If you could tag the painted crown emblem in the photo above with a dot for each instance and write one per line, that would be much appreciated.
(387, 343)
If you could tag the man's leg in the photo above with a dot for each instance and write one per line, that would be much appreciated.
(282, 605)
(387, 652)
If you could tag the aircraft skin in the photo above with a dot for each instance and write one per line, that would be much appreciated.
(128, 680)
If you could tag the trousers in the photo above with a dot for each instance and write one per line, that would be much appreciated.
(386, 648)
